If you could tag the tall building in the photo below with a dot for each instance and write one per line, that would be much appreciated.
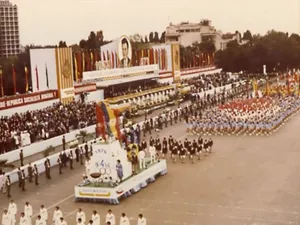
(9, 29)
(187, 33)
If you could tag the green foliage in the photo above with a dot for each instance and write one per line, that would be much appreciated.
(276, 50)
(48, 151)
(62, 44)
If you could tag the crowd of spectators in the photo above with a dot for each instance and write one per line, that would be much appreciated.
(45, 123)
(133, 88)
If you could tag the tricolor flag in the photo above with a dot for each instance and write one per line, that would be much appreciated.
(111, 117)
(14, 79)
(1, 80)
(26, 79)
(47, 77)
(37, 78)
(100, 126)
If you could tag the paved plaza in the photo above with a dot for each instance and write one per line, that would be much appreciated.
(247, 180)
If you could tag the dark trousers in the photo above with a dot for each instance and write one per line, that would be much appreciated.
(36, 179)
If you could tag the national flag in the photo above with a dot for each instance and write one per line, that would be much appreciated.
(75, 68)
(47, 77)
(111, 117)
(79, 65)
(83, 62)
(26, 79)
(112, 60)
(1, 80)
(37, 78)
(149, 56)
(100, 126)
(92, 60)
(87, 62)
(14, 79)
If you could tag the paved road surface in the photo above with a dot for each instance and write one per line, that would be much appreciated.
(246, 180)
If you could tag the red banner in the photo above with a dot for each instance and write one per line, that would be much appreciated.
(85, 88)
(26, 99)
(100, 126)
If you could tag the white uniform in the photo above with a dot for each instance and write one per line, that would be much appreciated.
(6, 219)
(81, 223)
(152, 151)
(57, 214)
(142, 161)
(44, 214)
(80, 215)
(62, 222)
(24, 220)
(124, 220)
(141, 221)
(110, 218)
(28, 212)
(12, 211)
(40, 222)
(96, 219)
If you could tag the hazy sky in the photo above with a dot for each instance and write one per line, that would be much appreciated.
(49, 21)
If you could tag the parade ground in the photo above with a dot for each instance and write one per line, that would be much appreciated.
(247, 180)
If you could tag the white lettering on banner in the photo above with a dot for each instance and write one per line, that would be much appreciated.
(14, 102)
(87, 88)
(2, 105)
(68, 92)
(31, 99)
(46, 96)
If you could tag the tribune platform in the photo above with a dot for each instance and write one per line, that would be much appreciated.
(131, 185)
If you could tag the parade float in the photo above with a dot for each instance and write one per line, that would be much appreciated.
(102, 182)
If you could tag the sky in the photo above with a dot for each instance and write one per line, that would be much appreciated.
(46, 22)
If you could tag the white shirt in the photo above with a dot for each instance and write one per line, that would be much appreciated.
(96, 219)
(62, 223)
(40, 222)
(28, 210)
(24, 220)
(6, 219)
(44, 214)
(124, 220)
(57, 214)
(141, 155)
(82, 223)
(12, 209)
(141, 221)
(110, 218)
(80, 215)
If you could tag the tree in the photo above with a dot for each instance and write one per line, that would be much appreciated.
(151, 37)
(62, 44)
(146, 39)
(162, 37)
(92, 41)
(247, 35)
(83, 44)
(156, 37)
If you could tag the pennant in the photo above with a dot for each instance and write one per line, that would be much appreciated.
(100, 126)
(1, 80)
(112, 60)
(37, 78)
(14, 79)
(47, 77)
(79, 66)
(26, 79)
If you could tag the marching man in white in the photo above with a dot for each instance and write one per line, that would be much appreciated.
(141, 220)
(6, 219)
(79, 222)
(24, 220)
(62, 221)
(57, 214)
(12, 211)
(142, 160)
(124, 220)
(152, 152)
(80, 215)
(95, 218)
(110, 217)
(40, 221)
(28, 212)
(44, 213)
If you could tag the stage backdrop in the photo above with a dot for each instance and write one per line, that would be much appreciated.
(163, 57)
(43, 69)
(109, 52)
(64, 71)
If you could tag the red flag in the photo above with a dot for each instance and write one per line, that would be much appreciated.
(37, 78)
(14, 79)
(100, 126)
(26, 79)
(117, 126)
(79, 65)
(103, 59)
(112, 60)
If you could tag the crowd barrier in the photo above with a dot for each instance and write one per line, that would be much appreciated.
(69, 137)
(40, 146)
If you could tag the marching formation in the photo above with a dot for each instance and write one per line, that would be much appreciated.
(10, 217)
